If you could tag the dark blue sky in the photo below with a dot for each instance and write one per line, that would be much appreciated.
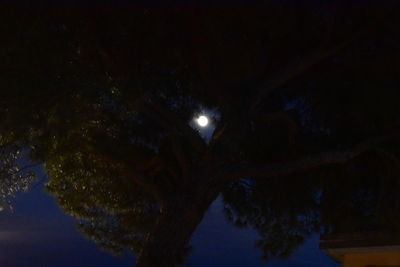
(37, 233)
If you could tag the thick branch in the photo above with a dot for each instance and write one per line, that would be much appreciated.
(295, 69)
(140, 179)
(306, 163)
(171, 119)
(207, 158)
(281, 116)
(176, 146)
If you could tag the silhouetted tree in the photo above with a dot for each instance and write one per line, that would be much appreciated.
(106, 99)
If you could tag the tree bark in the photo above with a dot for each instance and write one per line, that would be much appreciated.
(167, 244)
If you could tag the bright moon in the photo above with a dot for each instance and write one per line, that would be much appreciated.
(202, 121)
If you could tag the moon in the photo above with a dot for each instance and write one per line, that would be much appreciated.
(202, 121)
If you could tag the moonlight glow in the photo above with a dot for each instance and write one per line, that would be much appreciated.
(202, 121)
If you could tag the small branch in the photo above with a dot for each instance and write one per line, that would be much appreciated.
(218, 133)
(27, 167)
(207, 158)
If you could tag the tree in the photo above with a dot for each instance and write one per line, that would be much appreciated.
(13, 177)
(105, 99)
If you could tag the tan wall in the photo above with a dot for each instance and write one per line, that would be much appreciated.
(372, 259)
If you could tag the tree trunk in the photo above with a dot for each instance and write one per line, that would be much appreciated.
(167, 244)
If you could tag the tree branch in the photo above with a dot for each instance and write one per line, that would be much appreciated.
(140, 179)
(208, 156)
(281, 116)
(154, 113)
(295, 69)
(306, 163)
(165, 114)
